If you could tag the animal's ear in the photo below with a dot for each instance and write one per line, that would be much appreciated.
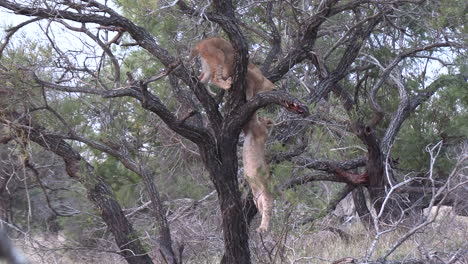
(267, 121)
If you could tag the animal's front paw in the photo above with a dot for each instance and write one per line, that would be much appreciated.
(262, 229)
(227, 84)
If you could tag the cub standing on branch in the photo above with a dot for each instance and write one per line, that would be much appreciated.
(217, 59)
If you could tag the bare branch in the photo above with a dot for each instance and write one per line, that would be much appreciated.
(239, 118)
(13, 30)
(407, 106)
(98, 191)
(103, 46)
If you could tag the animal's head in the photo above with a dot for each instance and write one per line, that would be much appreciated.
(265, 122)
(261, 127)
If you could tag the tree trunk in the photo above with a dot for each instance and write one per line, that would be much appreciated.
(236, 238)
(112, 214)
(164, 239)
(98, 191)
(376, 173)
(222, 166)
(362, 210)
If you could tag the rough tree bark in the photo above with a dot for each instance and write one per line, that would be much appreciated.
(377, 146)
(218, 142)
(164, 235)
(362, 210)
(219, 152)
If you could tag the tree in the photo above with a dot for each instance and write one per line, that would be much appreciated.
(309, 45)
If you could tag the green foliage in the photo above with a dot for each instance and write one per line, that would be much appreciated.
(442, 118)
(141, 136)
(85, 226)
(279, 174)
(122, 181)
(17, 79)
(452, 14)
(82, 228)
(183, 186)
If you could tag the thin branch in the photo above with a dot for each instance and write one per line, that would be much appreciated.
(13, 30)
(331, 206)
(103, 46)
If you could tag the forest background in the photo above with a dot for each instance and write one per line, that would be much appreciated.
(113, 152)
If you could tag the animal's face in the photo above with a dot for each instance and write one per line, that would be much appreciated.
(265, 121)
(263, 124)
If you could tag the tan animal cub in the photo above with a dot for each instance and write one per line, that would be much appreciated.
(217, 58)
(256, 82)
(255, 167)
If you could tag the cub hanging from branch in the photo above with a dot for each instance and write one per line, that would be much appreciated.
(217, 59)
(256, 170)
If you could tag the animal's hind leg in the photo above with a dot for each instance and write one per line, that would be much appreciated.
(205, 75)
(218, 71)
(218, 78)
(266, 200)
(256, 198)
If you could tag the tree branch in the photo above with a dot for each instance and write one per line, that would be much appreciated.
(329, 165)
(331, 206)
(151, 102)
(239, 118)
(305, 42)
(13, 30)
(407, 107)
(98, 191)
(142, 37)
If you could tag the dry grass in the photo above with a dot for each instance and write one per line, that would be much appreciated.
(47, 248)
(316, 243)
(441, 239)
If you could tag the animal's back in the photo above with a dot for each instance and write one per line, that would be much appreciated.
(207, 45)
(256, 82)
(256, 133)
